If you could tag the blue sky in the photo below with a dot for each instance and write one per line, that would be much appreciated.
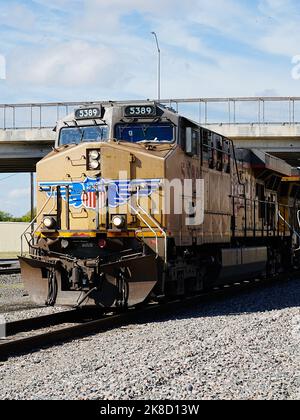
(62, 50)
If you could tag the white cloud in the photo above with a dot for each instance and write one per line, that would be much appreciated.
(2, 67)
(17, 16)
(65, 64)
(19, 193)
(15, 197)
(104, 49)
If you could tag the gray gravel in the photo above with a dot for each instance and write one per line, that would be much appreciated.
(12, 294)
(15, 304)
(243, 347)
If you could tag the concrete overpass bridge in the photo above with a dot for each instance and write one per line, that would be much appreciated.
(281, 140)
(21, 149)
(267, 123)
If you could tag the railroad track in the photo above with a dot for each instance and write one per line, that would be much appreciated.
(35, 333)
(9, 266)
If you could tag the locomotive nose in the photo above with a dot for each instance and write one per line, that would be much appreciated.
(120, 284)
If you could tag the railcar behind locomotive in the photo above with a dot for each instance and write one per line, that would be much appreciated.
(106, 235)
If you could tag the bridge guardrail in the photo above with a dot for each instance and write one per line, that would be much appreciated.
(235, 110)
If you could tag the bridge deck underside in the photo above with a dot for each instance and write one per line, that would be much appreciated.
(21, 157)
(18, 165)
(287, 149)
(291, 158)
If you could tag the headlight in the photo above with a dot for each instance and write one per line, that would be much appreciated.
(49, 222)
(118, 221)
(94, 164)
(94, 154)
(93, 159)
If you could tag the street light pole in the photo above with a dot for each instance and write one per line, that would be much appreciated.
(158, 70)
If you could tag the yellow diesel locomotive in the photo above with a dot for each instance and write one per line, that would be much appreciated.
(137, 202)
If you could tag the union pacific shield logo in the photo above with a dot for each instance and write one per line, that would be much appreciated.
(89, 199)
(84, 194)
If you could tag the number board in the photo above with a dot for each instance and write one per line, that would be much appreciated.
(137, 111)
(88, 113)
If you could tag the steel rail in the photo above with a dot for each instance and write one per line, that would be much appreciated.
(9, 266)
(43, 321)
(14, 344)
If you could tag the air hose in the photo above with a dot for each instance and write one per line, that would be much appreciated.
(123, 289)
(52, 288)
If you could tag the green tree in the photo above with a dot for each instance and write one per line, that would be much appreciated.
(27, 217)
(5, 217)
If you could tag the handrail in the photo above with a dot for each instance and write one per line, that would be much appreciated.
(156, 224)
(163, 101)
(149, 227)
(291, 228)
(40, 118)
(52, 189)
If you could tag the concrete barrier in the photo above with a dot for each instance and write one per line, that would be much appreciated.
(10, 237)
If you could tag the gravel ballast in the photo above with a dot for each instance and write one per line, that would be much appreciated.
(242, 347)
(13, 296)
(15, 304)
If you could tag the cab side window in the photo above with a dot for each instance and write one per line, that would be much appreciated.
(192, 141)
(195, 141)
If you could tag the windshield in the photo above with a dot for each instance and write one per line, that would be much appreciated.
(135, 133)
(76, 135)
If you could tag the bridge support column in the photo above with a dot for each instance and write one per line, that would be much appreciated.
(32, 197)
